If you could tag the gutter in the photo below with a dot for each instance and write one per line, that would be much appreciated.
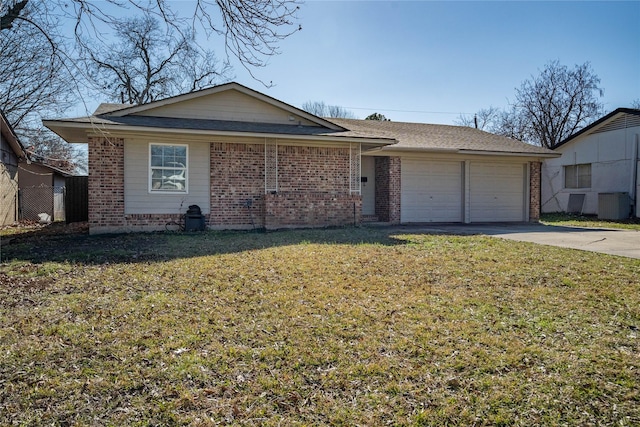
(387, 150)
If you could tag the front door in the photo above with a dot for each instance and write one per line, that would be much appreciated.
(368, 179)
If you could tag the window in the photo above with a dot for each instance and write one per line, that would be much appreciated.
(168, 168)
(577, 176)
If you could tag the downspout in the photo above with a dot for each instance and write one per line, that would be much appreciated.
(633, 184)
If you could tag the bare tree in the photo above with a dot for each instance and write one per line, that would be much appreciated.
(46, 147)
(548, 108)
(321, 109)
(33, 84)
(512, 124)
(636, 104)
(484, 119)
(252, 29)
(558, 102)
(148, 64)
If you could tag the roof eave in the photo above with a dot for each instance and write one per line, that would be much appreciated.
(392, 148)
(107, 130)
(12, 138)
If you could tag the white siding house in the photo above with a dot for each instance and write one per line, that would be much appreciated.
(599, 160)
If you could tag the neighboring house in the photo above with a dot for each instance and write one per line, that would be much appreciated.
(596, 163)
(42, 191)
(249, 160)
(11, 153)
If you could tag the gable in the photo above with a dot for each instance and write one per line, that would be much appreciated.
(625, 121)
(619, 119)
(229, 105)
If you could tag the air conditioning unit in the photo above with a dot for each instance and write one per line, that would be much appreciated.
(614, 205)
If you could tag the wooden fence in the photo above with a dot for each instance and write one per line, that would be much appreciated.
(77, 199)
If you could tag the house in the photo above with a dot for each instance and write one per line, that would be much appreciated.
(249, 160)
(42, 191)
(598, 166)
(11, 153)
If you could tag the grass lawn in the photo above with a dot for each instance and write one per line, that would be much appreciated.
(316, 327)
(591, 221)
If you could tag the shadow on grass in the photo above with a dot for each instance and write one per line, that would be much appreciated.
(41, 246)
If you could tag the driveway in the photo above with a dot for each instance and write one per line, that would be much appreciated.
(608, 241)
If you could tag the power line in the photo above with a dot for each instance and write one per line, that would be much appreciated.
(407, 111)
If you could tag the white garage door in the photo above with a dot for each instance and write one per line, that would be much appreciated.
(497, 192)
(431, 191)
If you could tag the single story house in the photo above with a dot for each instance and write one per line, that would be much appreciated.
(249, 160)
(11, 153)
(597, 170)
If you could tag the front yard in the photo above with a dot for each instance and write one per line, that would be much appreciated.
(316, 327)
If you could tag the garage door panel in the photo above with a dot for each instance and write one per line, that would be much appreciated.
(431, 191)
(497, 192)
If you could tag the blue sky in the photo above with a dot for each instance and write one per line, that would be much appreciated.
(428, 61)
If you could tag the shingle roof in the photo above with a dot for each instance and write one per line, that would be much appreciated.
(106, 107)
(430, 137)
(217, 126)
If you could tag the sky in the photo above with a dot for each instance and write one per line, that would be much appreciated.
(430, 61)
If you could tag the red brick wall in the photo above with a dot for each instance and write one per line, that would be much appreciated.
(534, 190)
(237, 175)
(315, 169)
(388, 189)
(313, 189)
(311, 209)
(106, 184)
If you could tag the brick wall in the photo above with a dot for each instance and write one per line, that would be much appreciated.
(534, 190)
(388, 189)
(237, 175)
(106, 192)
(313, 189)
(315, 169)
(106, 184)
(311, 209)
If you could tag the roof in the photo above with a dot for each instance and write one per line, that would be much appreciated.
(10, 136)
(133, 109)
(209, 125)
(53, 169)
(431, 137)
(599, 122)
(109, 118)
(387, 135)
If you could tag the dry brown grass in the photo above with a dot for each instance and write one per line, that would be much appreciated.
(338, 327)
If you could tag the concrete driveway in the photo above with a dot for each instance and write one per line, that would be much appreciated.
(608, 241)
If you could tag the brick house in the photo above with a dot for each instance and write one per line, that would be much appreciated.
(249, 160)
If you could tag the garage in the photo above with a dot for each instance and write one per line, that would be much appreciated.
(432, 191)
(497, 192)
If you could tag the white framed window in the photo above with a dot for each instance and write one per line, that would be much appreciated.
(577, 176)
(168, 170)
